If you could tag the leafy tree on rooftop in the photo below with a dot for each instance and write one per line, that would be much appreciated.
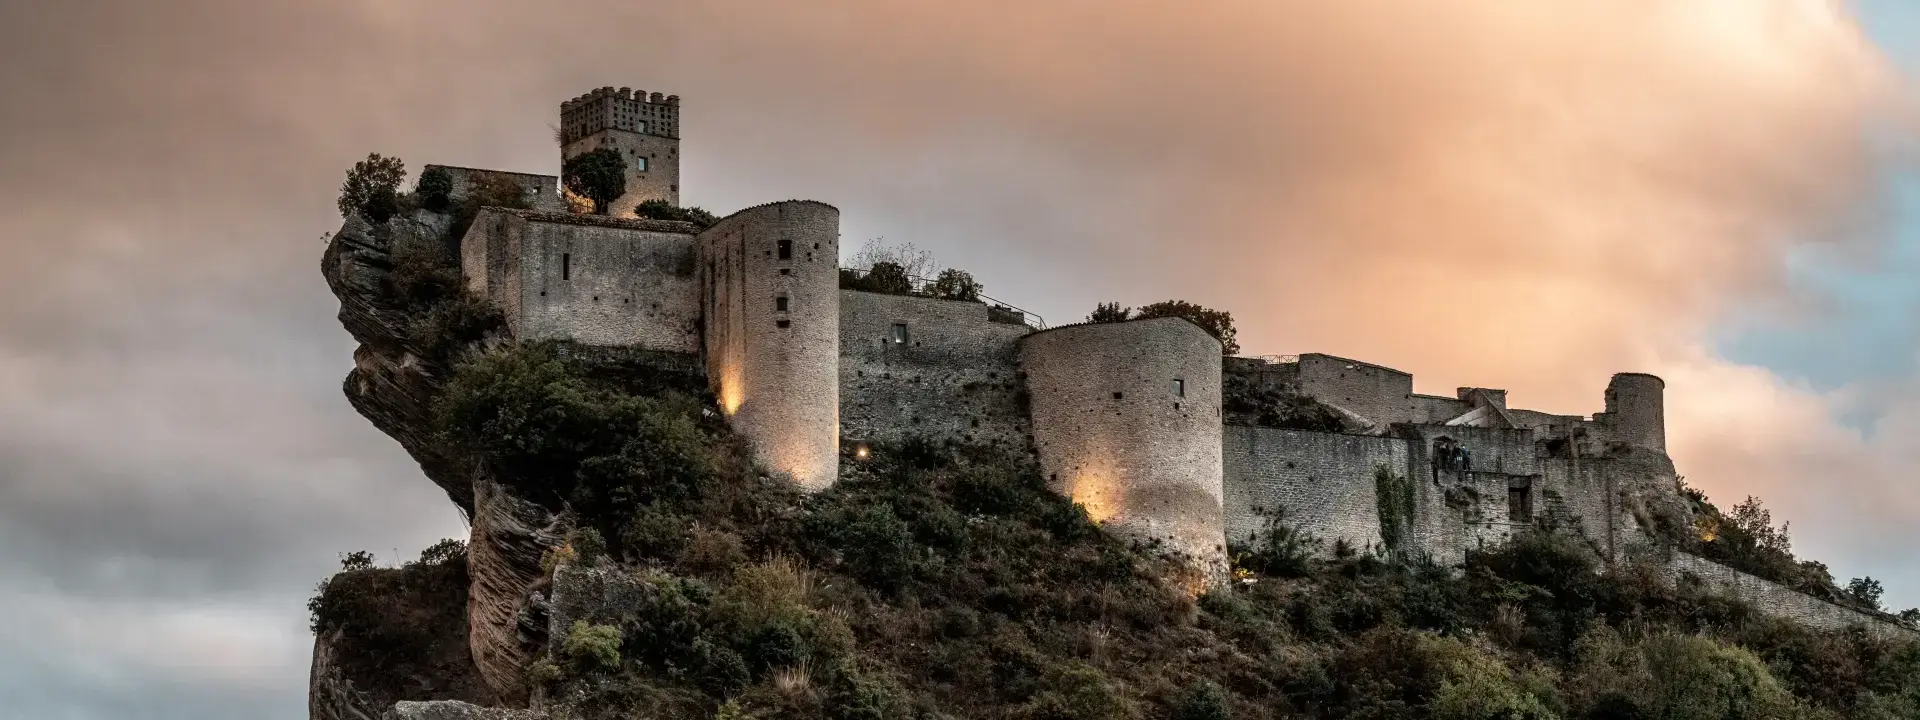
(598, 175)
(1218, 323)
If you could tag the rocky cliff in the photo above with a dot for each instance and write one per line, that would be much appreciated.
(400, 369)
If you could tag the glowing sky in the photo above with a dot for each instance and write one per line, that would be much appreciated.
(1521, 195)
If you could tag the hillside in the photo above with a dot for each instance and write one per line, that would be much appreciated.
(627, 560)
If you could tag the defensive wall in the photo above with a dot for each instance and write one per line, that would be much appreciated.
(771, 313)
(1778, 601)
(938, 369)
(1323, 482)
(587, 278)
(1126, 421)
(542, 192)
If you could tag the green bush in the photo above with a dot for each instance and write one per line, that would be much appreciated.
(663, 210)
(954, 284)
(593, 647)
(1278, 548)
(1202, 700)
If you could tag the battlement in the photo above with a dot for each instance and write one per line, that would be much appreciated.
(625, 109)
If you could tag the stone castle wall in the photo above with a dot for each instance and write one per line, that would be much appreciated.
(542, 192)
(1324, 482)
(772, 332)
(1376, 393)
(644, 129)
(952, 374)
(587, 279)
(1779, 601)
(1126, 421)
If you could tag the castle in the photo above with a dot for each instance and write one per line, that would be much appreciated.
(1127, 418)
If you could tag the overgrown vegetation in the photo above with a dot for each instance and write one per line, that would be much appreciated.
(1218, 323)
(1244, 402)
(663, 210)
(1393, 494)
(400, 633)
(1745, 539)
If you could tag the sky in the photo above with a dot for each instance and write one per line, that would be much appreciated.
(1522, 195)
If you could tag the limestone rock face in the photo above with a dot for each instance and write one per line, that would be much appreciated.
(330, 695)
(391, 385)
(510, 535)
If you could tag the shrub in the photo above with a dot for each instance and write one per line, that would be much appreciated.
(593, 647)
(1865, 592)
(1202, 700)
(1109, 313)
(1077, 692)
(599, 175)
(1279, 549)
(434, 189)
(372, 189)
(445, 552)
(356, 560)
(663, 210)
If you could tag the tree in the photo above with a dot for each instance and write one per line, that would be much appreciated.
(1109, 313)
(598, 175)
(912, 261)
(435, 189)
(1866, 591)
(955, 284)
(1218, 323)
(888, 277)
(372, 189)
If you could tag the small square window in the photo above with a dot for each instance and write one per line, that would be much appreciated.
(1118, 396)
(900, 333)
(780, 304)
(782, 323)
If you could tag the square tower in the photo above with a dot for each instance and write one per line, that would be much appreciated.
(644, 129)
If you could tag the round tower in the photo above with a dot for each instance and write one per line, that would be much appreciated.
(1126, 421)
(1636, 410)
(770, 281)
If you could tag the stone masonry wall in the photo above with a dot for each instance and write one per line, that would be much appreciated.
(955, 377)
(1376, 393)
(1779, 601)
(601, 285)
(1114, 430)
(1325, 481)
(542, 191)
(772, 333)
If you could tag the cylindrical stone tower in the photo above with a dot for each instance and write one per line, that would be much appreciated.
(1636, 410)
(770, 278)
(1126, 421)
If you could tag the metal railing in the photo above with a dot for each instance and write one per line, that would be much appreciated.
(997, 311)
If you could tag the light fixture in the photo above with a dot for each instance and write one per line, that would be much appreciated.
(861, 452)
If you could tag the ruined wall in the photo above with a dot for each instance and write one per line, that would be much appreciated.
(772, 333)
(1433, 409)
(1115, 432)
(1779, 601)
(1376, 393)
(542, 192)
(490, 260)
(953, 378)
(1460, 510)
(1325, 481)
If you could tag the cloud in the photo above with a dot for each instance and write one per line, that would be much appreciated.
(1528, 195)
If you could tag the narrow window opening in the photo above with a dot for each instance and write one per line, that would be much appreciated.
(900, 333)
(1179, 387)
(786, 249)
(782, 323)
(566, 266)
(780, 304)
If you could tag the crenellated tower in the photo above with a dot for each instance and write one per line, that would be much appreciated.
(643, 128)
